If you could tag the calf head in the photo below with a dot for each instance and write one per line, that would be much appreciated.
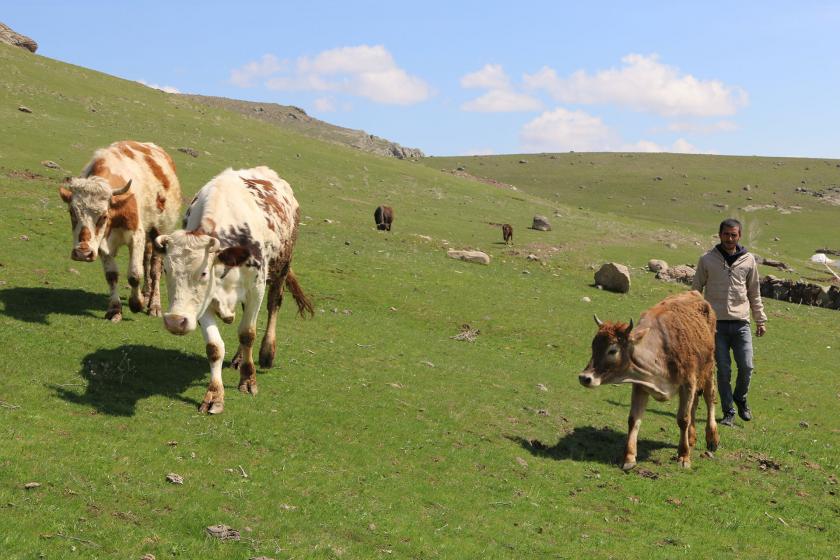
(89, 201)
(195, 271)
(612, 352)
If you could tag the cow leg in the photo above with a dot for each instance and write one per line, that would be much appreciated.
(214, 398)
(112, 276)
(692, 425)
(712, 436)
(247, 334)
(268, 348)
(638, 403)
(135, 271)
(687, 395)
(148, 251)
(155, 266)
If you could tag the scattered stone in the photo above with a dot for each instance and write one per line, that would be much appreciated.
(657, 178)
(522, 462)
(541, 223)
(614, 277)
(24, 109)
(31, 485)
(260, 558)
(24, 238)
(585, 299)
(148, 557)
(671, 245)
(523, 161)
(73, 271)
(532, 257)
(680, 273)
(173, 478)
(469, 256)
(656, 265)
(50, 164)
(542, 387)
(747, 188)
(467, 334)
(223, 532)
(804, 424)
(189, 151)
(797, 291)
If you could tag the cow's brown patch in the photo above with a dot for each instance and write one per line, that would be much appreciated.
(84, 237)
(133, 281)
(234, 256)
(112, 277)
(247, 338)
(158, 172)
(123, 213)
(214, 354)
(65, 194)
(137, 146)
(160, 202)
(99, 168)
(168, 160)
(125, 150)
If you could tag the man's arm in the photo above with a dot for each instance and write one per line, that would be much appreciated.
(754, 297)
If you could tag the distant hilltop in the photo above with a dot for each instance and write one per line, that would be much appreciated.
(296, 119)
(11, 37)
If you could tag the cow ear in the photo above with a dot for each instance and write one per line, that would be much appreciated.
(638, 334)
(65, 194)
(234, 256)
(213, 245)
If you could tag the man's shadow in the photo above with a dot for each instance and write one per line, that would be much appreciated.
(118, 378)
(34, 305)
(587, 443)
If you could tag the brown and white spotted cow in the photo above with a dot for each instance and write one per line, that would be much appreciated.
(672, 351)
(127, 194)
(239, 233)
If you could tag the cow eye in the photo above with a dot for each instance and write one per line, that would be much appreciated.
(612, 351)
(204, 274)
(101, 220)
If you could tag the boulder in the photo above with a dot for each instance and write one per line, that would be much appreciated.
(680, 273)
(656, 265)
(9, 36)
(469, 256)
(613, 277)
(541, 223)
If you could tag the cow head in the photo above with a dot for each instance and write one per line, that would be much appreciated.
(612, 351)
(195, 271)
(89, 201)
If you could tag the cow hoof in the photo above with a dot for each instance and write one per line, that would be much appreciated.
(628, 466)
(236, 361)
(155, 311)
(114, 315)
(214, 407)
(685, 463)
(266, 361)
(135, 304)
(249, 387)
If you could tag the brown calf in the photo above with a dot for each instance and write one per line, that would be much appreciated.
(384, 216)
(670, 352)
(507, 233)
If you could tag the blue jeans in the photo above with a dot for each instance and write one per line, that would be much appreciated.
(735, 336)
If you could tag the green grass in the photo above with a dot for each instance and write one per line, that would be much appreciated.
(377, 435)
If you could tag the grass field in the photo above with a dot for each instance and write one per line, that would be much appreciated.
(376, 434)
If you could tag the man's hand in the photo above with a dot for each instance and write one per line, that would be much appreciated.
(760, 330)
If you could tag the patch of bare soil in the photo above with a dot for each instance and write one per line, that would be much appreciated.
(25, 174)
(485, 180)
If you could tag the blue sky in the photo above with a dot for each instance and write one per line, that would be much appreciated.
(457, 78)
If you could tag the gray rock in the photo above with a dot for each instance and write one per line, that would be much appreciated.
(189, 151)
(24, 109)
(656, 265)
(614, 277)
(469, 256)
(541, 223)
(679, 273)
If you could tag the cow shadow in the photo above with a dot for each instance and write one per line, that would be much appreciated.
(656, 411)
(588, 443)
(117, 378)
(34, 305)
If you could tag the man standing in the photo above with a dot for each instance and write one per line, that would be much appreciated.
(728, 277)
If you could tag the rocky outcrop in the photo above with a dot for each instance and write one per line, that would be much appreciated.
(541, 223)
(11, 37)
(295, 119)
(796, 291)
(682, 273)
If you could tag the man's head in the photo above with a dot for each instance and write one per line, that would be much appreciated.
(730, 234)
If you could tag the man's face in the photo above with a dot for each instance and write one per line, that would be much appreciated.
(729, 237)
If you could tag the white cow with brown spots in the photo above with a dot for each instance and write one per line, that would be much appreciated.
(127, 194)
(239, 233)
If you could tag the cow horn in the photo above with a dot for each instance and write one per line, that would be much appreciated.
(122, 190)
(598, 321)
(213, 245)
(161, 241)
(630, 328)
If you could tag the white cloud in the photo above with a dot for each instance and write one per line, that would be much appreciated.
(502, 101)
(262, 68)
(492, 76)
(643, 84)
(167, 89)
(364, 71)
(561, 130)
(479, 152)
(324, 105)
(702, 128)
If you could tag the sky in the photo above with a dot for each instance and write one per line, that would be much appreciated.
(462, 78)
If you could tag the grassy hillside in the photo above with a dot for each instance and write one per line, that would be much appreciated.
(377, 434)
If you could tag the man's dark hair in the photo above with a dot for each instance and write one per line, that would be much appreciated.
(730, 223)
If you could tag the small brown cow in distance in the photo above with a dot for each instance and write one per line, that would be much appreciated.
(672, 351)
(507, 233)
(384, 216)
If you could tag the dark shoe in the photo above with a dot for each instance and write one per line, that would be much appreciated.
(744, 412)
(728, 418)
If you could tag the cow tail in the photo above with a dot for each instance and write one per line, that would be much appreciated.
(302, 301)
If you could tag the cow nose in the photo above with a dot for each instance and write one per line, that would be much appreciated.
(176, 324)
(82, 255)
(585, 379)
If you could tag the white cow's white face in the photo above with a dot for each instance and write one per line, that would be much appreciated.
(89, 203)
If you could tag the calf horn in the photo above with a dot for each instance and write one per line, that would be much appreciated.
(122, 190)
(598, 321)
